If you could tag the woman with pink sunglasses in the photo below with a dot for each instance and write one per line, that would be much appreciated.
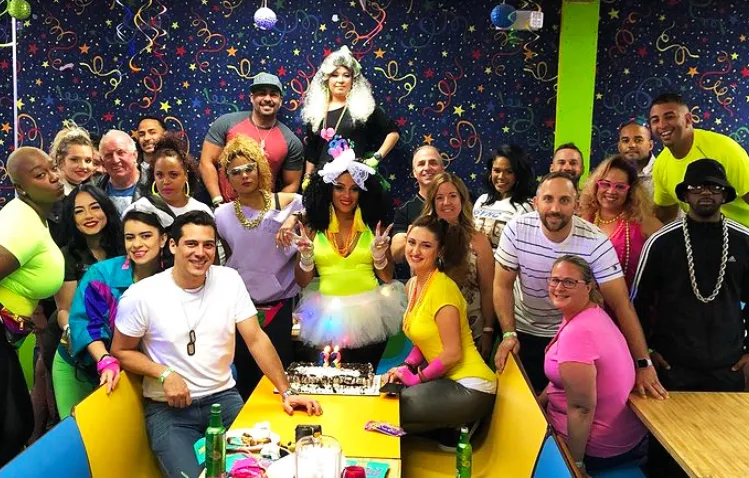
(615, 200)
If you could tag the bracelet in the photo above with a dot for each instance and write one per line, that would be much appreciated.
(507, 335)
(216, 200)
(165, 374)
(289, 392)
(488, 330)
(305, 267)
(580, 465)
(104, 356)
(381, 265)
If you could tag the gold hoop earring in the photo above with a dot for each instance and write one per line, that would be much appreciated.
(187, 189)
(153, 189)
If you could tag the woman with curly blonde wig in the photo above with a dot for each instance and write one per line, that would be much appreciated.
(615, 201)
(339, 102)
(248, 227)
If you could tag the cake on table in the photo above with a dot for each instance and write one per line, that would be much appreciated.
(343, 379)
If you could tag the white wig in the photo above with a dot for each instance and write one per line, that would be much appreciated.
(360, 102)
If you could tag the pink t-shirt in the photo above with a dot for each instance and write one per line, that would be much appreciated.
(591, 337)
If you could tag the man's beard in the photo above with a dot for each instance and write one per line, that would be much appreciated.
(562, 224)
(705, 210)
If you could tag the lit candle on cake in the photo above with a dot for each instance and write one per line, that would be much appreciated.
(325, 356)
(336, 356)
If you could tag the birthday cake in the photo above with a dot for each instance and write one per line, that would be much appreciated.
(346, 379)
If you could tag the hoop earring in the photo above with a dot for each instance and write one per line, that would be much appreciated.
(440, 263)
(153, 189)
(187, 189)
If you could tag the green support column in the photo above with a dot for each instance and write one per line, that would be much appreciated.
(578, 46)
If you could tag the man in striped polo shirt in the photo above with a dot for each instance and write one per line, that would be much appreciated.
(527, 249)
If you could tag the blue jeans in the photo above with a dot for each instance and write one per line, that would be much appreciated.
(173, 432)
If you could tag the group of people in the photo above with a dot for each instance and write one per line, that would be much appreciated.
(156, 262)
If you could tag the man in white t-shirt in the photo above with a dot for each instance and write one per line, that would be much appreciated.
(527, 249)
(177, 329)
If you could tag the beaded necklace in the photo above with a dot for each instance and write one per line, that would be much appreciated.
(627, 241)
(414, 301)
(347, 244)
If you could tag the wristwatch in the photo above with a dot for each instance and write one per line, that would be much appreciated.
(289, 392)
(644, 363)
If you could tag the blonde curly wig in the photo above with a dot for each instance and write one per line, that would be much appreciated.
(245, 147)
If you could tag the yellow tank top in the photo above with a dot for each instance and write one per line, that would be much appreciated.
(348, 275)
(421, 328)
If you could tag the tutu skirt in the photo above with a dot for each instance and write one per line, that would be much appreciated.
(351, 321)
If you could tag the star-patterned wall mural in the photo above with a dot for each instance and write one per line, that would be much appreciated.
(698, 48)
(438, 69)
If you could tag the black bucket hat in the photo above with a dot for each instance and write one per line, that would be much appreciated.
(705, 171)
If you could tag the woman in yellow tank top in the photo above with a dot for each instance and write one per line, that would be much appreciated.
(344, 204)
(448, 385)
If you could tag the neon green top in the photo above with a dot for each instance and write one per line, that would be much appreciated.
(348, 275)
(420, 327)
(42, 269)
(669, 171)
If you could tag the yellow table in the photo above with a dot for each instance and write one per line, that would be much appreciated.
(705, 432)
(343, 417)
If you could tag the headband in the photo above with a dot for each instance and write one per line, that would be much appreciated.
(146, 206)
(344, 162)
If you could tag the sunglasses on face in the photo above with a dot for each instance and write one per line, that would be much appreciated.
(713, 188)
(618, 187)
(249, 167)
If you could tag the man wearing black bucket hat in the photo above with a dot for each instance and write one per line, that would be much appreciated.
(691, 280)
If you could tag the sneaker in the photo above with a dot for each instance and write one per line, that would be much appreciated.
(447, 439)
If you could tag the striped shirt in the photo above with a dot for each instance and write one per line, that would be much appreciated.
(524, 248)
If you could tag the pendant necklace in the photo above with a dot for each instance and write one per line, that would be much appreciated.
(262, 141)
(191, 334)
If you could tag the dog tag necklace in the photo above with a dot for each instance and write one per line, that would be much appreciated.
(191, 334)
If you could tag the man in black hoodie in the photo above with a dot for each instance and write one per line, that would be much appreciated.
(691, 280)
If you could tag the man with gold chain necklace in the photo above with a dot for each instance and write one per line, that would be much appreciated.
(692, 277)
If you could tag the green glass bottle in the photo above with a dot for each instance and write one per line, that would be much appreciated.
(465, 455)
(215, 445)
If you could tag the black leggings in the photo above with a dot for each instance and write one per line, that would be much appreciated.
(16, 412)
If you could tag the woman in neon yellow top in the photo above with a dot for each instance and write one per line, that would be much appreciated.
(344, 203)
(448, 383)
(31, 268)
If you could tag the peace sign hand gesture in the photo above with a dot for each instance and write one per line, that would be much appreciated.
(381, 242)
(303, 243)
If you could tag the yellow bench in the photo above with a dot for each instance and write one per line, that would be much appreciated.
(510, 447)
(113, 429)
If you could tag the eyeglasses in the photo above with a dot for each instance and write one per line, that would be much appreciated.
(618, 187)
(249, 167)
(713, 188)
(566, 282)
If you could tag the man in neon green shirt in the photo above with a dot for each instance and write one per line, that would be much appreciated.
(671, 122)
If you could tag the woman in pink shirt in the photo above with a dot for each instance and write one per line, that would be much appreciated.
(590, 373)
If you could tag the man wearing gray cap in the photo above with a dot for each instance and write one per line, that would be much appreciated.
(282, 148)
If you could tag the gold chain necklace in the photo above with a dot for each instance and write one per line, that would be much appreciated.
(414, 304)
(254, 223)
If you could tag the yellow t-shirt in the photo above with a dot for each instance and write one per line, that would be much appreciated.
(421, 328)
(669, 171)
(42, 269)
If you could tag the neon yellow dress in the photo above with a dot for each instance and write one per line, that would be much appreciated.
(346, 306)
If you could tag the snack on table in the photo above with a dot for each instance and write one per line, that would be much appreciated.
(384, 428)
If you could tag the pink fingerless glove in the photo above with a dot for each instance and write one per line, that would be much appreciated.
(415, 357)
(431, 372)
(108, 363)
